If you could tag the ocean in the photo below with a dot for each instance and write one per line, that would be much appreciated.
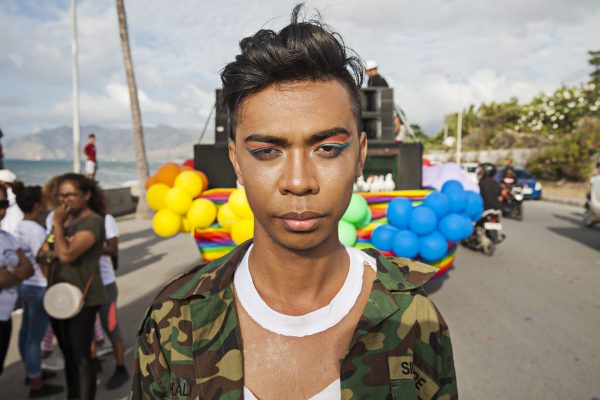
(110, 173)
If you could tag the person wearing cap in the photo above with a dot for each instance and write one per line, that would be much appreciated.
(14, 215)
(374, 78)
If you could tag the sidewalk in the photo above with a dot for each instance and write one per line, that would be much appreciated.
(146, 263)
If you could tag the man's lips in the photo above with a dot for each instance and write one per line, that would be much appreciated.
(301, 221)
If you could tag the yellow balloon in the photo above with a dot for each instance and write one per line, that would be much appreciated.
(202, 213)
(242, 230)
(226, 217)
(239, 204)
(191, 182)
(178, 200)
(166, 223)
(186, 227)
(155, 196)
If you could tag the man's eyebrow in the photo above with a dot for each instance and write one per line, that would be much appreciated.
(320, 136)
(315, 138)
(267, 139)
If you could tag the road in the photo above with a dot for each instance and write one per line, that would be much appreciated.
(525, 323)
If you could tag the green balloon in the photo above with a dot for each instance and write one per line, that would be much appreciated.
(367, 220)
(347, 233)
(355, 213)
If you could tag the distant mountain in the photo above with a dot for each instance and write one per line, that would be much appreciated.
(162, 142)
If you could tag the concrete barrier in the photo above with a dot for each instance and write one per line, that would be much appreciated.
(119, 201)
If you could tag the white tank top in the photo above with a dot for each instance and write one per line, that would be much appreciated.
(308, 324)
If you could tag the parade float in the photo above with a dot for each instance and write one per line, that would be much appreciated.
(403, 206)
(424, 224)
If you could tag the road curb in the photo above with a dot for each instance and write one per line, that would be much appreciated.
(576, 202)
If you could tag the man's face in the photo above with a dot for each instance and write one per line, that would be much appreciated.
(297, 153)
(371, 72)
(92, 139)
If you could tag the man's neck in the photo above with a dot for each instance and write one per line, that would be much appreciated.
(295, 282)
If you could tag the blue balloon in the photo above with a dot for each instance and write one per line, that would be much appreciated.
(469, 227)
(406, 244)
(383, 237)
(398, 212)
(477, 215)
(452, 226)
(422, 221)
(458, 200)
(474, 202)
(433, 247)
(452, 184)
(438, 203)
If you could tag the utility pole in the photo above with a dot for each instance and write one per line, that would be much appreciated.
(75, 83)
(459, 137)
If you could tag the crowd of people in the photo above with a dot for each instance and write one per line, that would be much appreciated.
(59, 234)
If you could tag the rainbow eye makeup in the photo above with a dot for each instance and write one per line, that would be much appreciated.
(334, 146)
(262, 152)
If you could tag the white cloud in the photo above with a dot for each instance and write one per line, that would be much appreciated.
(438, 54)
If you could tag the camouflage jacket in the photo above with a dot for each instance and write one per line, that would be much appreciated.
(189, 345)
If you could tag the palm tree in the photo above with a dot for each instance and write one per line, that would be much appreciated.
(141, 162)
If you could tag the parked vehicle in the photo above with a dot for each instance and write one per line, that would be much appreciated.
(487, 233)
(591, 214)
(532, 189)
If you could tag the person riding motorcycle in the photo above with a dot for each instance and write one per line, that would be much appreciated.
(490, 189)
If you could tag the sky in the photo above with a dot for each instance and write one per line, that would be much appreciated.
(438, 55)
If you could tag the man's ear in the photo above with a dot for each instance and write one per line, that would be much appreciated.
(362, 154)
(234, 162)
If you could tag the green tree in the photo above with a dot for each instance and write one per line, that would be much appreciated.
(595, 62)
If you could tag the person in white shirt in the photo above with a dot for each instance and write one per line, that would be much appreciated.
(13, 214)
(14, 268)
(108, 311)
(34, 322)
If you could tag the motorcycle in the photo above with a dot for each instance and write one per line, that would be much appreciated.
(487, 233)
(512, 202)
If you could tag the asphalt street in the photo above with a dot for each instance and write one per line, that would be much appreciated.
(525, 323)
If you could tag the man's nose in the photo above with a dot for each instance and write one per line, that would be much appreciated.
(299, 175)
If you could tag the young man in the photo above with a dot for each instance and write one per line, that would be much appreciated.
(294, 314)
(91, 164)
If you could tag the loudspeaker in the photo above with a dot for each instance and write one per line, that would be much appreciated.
(223, 127)
(403, 160)
(377, 114)
(213, 160)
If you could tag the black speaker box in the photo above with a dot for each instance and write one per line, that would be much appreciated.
(213, 160)
(402, 160)
(223, 128)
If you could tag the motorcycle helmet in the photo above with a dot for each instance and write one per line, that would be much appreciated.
(486, 170)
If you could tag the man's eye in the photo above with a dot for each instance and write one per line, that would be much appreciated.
(265, 154)
(331, 150)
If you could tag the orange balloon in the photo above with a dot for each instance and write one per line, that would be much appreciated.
(204, 179)
(150, 181)
(185, 168)
(167, 173)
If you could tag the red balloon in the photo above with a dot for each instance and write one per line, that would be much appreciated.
(189, 163)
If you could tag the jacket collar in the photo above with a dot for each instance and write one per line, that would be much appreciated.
(394, 273)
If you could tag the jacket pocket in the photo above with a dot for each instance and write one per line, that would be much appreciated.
(403, 389)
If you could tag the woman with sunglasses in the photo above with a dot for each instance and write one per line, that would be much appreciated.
(14, 268)
(79, 237)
